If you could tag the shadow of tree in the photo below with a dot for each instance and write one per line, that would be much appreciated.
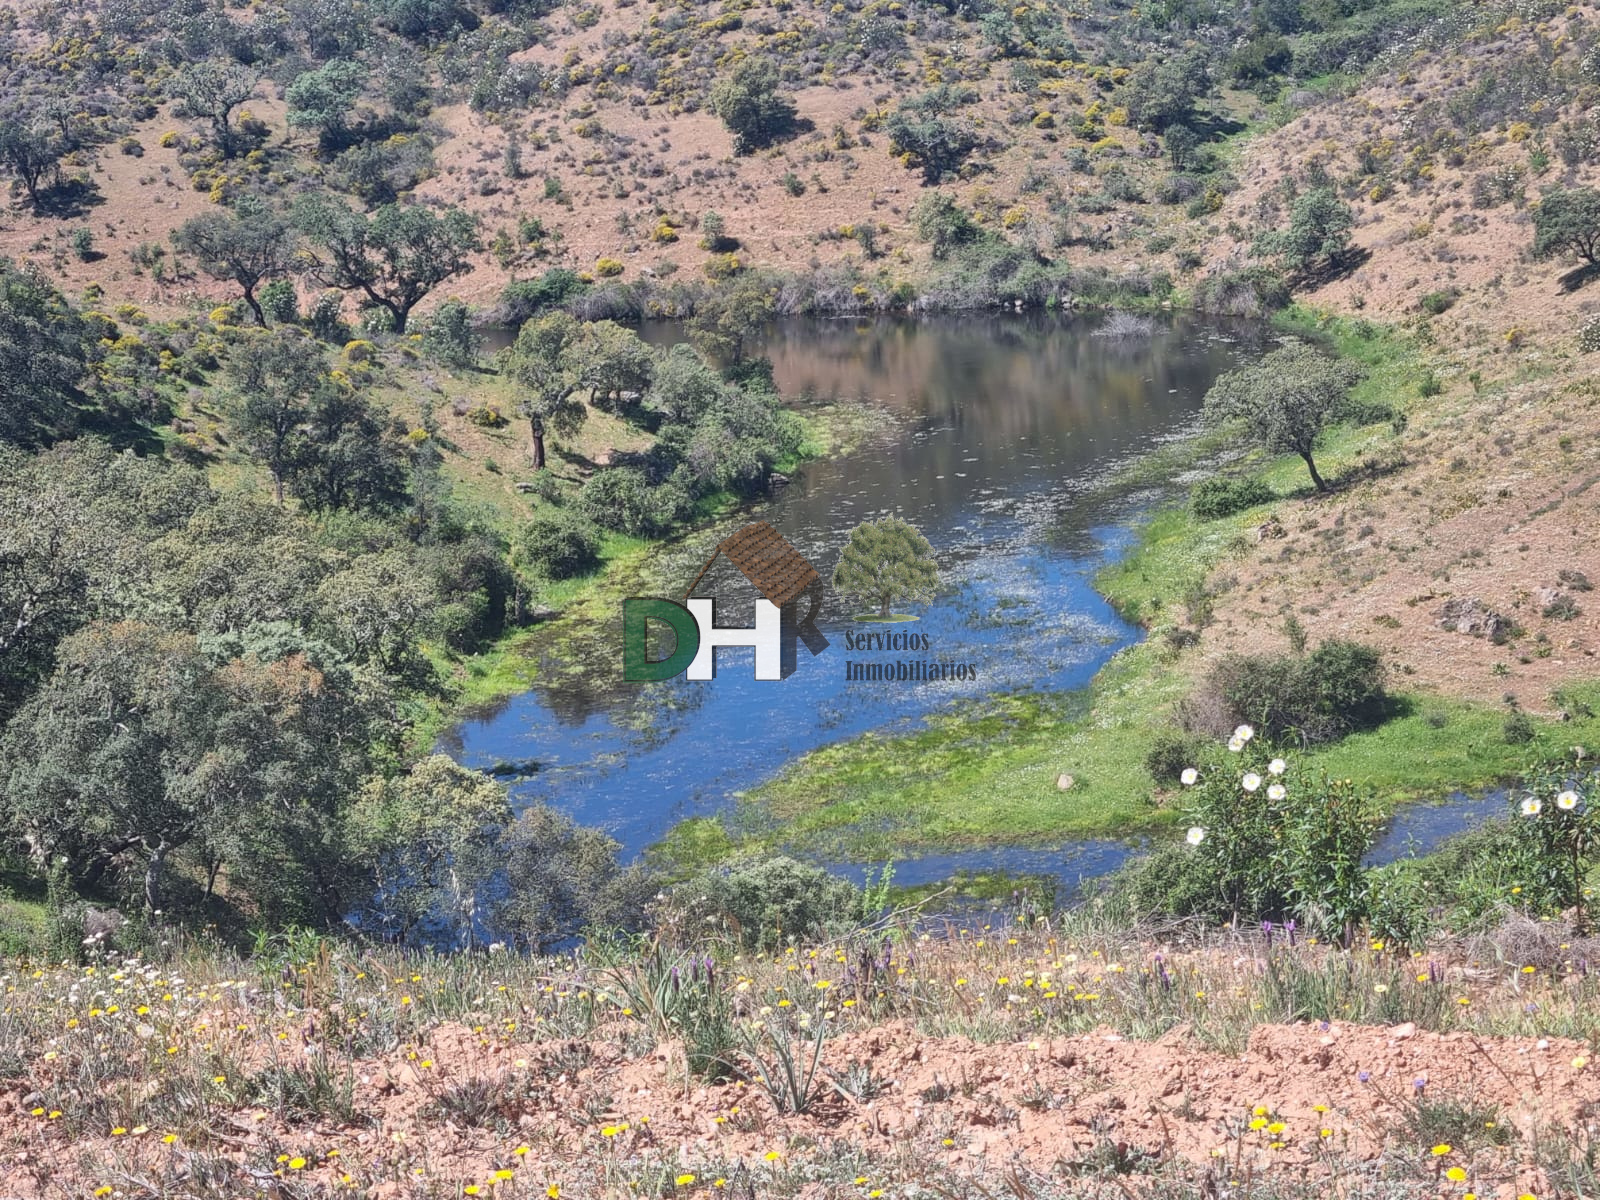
(1346, 264)
(71, 198)
(1578, 276)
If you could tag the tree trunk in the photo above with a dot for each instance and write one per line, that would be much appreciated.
(152, 877)
(255, 306)
(277, 487)
(1317, 479)
(883, 607)
(399, 314)
(538, 442)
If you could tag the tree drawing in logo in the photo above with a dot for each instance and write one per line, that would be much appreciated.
(886, 562)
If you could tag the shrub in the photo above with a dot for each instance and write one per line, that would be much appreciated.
(1247, 293)
(1218, 497)
(1170, 752)
(1589, 335)
(714, 233)
(1266, 842)
(1319, 697)
(1517, 729)
(279, 303)
(622, 498)
(562, 878)
(750, 105)
(1435, 303)
(325, 319)
(558, 543)
(793, 184)
(487, 416)
(608, 268)
(450, 337)
(1535, 861)
(771, 902)
(523, 299)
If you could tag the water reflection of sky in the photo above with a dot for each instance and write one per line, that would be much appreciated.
(993, 432)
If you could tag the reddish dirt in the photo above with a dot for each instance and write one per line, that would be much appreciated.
(976, 1108)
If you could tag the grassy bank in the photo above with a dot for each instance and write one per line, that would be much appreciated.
(987, 775)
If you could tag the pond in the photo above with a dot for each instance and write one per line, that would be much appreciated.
(994, 436)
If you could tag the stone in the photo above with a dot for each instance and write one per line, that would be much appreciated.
(1471, 616)
(1064, 782)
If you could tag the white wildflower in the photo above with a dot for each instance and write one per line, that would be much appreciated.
(1251, 781)
(1196, 835)
(1190, 777)
(1531, 806)
(1567, 800)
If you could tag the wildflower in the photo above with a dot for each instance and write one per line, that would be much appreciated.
(553, 1191)
(103, 1191)
(1190, 777)
(1276, 791)
(1442, 1149)
(1579, 1063)
(773, 1156)
(1235, 744)
(1259, 1123)
(1327, 1133)
(1244, 733)
(1250, 782)
(684, 1180)
(471, 1189)
(1276, 1128)
(297, 1163)
(1567, 800)
(1531, 806)
(1277, 767)
(1456, 1175)
(1196, 835)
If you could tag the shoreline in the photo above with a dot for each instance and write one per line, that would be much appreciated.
(1097, 733)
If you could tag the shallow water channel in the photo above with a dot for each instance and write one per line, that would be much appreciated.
(991, 434)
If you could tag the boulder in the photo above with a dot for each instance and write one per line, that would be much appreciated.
(1471, 616)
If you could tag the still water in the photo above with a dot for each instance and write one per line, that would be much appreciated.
(993, 435)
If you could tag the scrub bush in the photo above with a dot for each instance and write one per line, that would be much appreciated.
(558, 543)
(1219, 497)
(1318, 697)
(771, 902)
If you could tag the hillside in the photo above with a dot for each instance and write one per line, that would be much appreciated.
(270, 517)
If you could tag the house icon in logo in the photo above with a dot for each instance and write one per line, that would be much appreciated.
(785, 581)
